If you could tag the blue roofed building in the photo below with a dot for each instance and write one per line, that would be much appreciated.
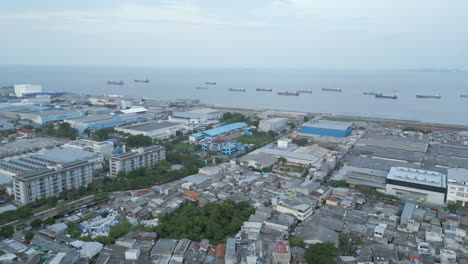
(327, 128)
(218, 132)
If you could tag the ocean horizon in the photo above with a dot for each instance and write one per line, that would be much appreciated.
(170, 83)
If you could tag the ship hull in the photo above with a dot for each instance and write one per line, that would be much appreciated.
(263, 90)
(464, 96)
(386, 97)
(429, 96)
(237, 90)
(115, 83)
(288, 94)
(331, 90)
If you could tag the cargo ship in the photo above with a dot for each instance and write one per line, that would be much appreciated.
(386, 96)
(436, 96)
(210, 83)
(289, 93)
(331, 89)
(142, 81)
(237, 89)
(263, 90)
(372, 93)
(115, 83)
(201, 88)
(304, 91)
(464, 95)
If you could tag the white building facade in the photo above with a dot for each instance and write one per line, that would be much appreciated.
(457, 186)
(274, 124)
(143, 157)
(415, 185)
(53, 180)
(21, 89)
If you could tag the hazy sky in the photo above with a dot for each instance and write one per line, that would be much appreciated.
(289, 33)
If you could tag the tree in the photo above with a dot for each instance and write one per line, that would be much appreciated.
(453, 207)
(120, 229)
(296, 242)
(36, 223)
(271, 133)
(49, 221)
(179, 133)
(29, 236)
(139, 141)
(306, 119)
(121, 174)
(321, 253)
(7, 231)
(218, 160)
(226, 116)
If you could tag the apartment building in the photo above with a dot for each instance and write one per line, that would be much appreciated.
(142, 157)
(53, 180)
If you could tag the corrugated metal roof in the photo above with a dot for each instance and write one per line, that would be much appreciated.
(327, 124)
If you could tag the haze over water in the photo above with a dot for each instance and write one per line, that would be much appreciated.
(172, 83)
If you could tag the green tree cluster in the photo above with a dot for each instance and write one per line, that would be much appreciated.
(64, 130)
(73, 230)
(296, 242)
(36, 223)
(120, 229)
(229, 118)
(321, 253)
(136, 141)
(213, 221)
(29, 236)
(7, 231)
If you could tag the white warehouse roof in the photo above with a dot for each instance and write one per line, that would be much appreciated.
(327, 124)
(423, 177)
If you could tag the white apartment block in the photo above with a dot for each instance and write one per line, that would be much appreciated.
(142, 157)
(53, 180)
(457, 186)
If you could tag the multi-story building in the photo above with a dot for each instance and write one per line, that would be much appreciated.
(222, 146)
(293, 207)
(230, 257)
(21, 89)
(53, 180)
(457, 186)
(417, 185)
(142, 157)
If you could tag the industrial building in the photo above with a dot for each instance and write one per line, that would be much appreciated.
(222, 146)
(115, 100)
(23, 89)
(211, 113)
(258, 161)
(276, 125)
(327, 128)
(218, 132)
(53, 180)
(47, 115)
(457, 186)
(292, 157)
(102, 147)
(158, 130)
(417, 185)
(95, 122)
(142, 157)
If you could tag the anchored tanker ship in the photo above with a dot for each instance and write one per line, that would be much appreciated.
(436, 96)
(115, 83)
(237, 89)
(331, 89)
(263, 90)
(289, 93)
(386, 96)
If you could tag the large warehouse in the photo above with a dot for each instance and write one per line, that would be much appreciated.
(153, 129)
(327, 128)
(218, 132)
(417, 185)
(274, 124)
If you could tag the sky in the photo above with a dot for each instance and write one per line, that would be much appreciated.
(352, 34)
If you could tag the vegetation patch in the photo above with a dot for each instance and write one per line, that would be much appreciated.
(214, 221)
